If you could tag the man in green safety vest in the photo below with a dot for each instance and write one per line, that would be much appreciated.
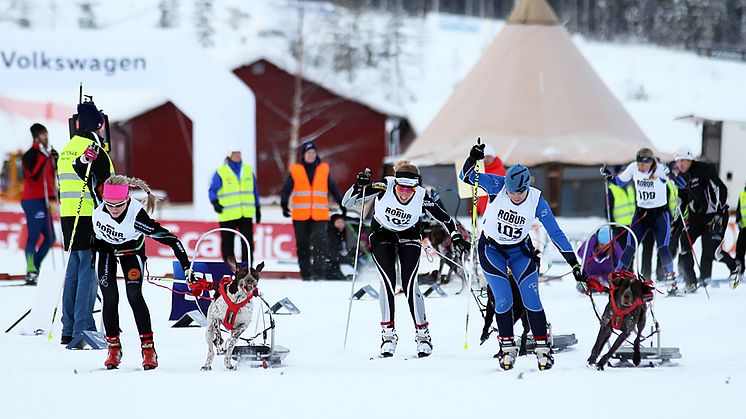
(83, 166)
(621, 202)
(234, 195)
(741, 243)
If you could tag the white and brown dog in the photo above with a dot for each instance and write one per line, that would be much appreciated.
(233, 308)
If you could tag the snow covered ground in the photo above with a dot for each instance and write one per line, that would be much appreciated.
(41, 379)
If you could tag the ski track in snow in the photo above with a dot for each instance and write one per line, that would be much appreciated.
(318, 379)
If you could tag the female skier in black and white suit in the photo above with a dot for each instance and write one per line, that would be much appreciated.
(399, 203)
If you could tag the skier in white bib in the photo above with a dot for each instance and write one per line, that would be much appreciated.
(399, 202)
(513, 205)
(652, 213)
(120, 224)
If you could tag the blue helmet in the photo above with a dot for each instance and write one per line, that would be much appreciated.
(517, 178)
(604, 235)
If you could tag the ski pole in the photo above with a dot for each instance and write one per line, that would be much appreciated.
(69, 249)
(691, 247)
(473, 243)
(18, 321)
(49, 219)
(357, 252)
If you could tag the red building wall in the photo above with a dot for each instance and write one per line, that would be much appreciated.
(349, 136)
(156, 146)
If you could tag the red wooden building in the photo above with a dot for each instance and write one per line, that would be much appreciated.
(156, 145)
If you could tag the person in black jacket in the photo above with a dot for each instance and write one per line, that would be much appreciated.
(336, 246)
(704, 195)
(121, 225)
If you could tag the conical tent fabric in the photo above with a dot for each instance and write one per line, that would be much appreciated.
(534, 98)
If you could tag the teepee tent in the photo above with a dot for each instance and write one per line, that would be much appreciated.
(533, 97)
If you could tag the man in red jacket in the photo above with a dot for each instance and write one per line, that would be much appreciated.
(38, 191)
(492, 165)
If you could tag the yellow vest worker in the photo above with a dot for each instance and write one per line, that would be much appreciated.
(623, 205)
(235, 197)
(83, 167)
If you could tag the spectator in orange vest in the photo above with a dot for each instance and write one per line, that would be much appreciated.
(492, 165)
(309, 183)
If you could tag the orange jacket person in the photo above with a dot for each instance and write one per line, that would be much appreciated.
(492, 165)
(310, 183)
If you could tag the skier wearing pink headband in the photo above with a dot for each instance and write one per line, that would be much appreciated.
(121, 224)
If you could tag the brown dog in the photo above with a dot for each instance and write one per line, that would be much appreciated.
(626, 310)
(233, 308)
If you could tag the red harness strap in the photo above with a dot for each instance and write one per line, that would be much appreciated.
(617, 313)
(233, 308)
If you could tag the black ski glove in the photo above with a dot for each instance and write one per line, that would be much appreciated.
(578, 273)
(258, 215)
(477, 151)
(216, 205)
(189, 275)
(285, 211)
(460, 245)
(363, 178)
(606, 173)
(343, 210)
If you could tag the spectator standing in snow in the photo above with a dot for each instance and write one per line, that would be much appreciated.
(492, 165)
(38, 196)
(234, 195)
(83, 167)
(305, 198)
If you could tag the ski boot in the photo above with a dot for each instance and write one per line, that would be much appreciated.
(388, 341)
(691, 287)
(115, 353)
(149, 357)
(508, 352)
(31, 278)
(544, 354)
(424, 344)
(670, 278)
(735, 275)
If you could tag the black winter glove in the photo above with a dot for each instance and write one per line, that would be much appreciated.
(285, 211)
(54, 155)
(460, 245)
(578, 273)
(343, 210)
(477, 152)
(216, 205)
(363, 178)
(606, 173)
(258, 215)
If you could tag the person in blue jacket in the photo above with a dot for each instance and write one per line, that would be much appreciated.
(513, 205)
(234, 194)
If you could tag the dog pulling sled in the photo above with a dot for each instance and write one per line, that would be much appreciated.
(260, 350)
(626, 352)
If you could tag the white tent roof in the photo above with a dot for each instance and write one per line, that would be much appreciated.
(533, 97)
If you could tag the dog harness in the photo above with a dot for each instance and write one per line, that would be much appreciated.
(232, 312)
(618, 314)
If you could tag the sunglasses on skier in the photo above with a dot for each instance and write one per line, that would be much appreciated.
(407, 180)
(117, 205)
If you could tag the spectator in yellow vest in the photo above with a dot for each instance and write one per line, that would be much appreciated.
(83, 167)
(235, 197)
(309, 183)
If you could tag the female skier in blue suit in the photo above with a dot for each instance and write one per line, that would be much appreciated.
(512, 208)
